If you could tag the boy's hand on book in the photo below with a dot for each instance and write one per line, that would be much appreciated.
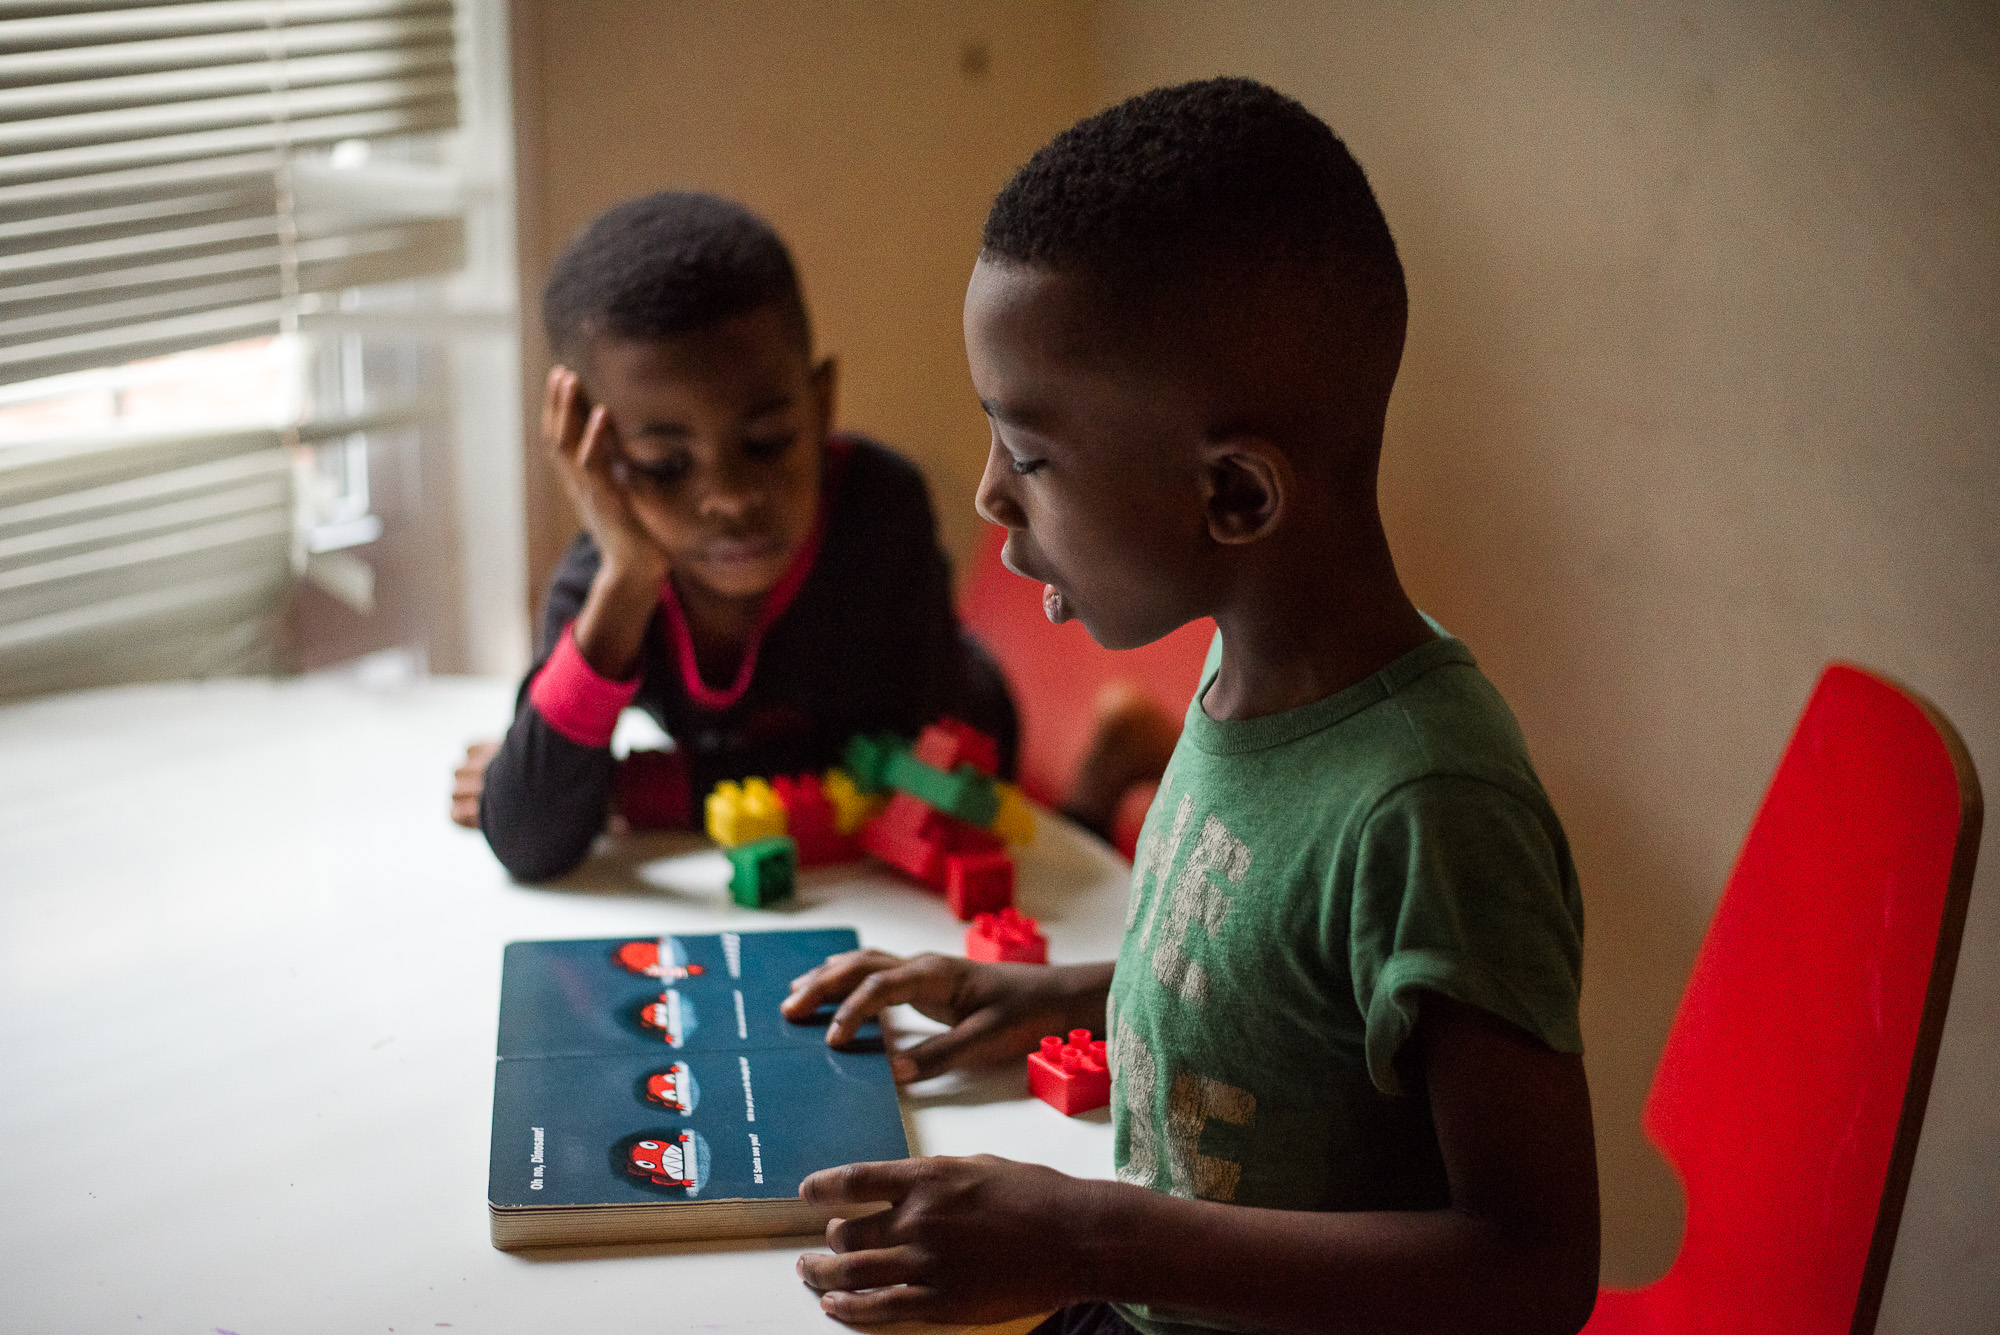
(996, 1011)
(978, 1239)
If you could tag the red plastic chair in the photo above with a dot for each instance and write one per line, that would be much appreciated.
(1057, 671)
(1793, 1084)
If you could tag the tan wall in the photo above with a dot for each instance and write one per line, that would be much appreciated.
(873, 135)
(1701, 392)
(1701, 388)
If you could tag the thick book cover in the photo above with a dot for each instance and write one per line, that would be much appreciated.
(648, 1089)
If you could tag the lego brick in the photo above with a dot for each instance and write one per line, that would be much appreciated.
(738, 813)
(867, 759)
(1006, 936)
(812, 822)
(978, 883)
(1070, 1077)
(911, 853)
(1014, 821)
(963, 793)
(763, 871)
(851, 806)
(915, 818)
(651, 790)
(948, 743)
(963, 838)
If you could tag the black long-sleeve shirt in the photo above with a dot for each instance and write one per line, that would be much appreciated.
(870, 642)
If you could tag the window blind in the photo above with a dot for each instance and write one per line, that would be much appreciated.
(175, 176)
(164, 180)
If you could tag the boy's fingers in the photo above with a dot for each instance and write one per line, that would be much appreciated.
(941, 1052)
(594, 454)
(868, 1233)
(559, 412)
(859, 1183)
(832, 980)
(904, 1302)
(877, 993)
(859, 1270)
(549, 403)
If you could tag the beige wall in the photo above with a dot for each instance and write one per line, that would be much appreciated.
(873, 135)
(1701, 392)
(1701, 388)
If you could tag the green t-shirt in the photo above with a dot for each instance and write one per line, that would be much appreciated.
(1301, 881)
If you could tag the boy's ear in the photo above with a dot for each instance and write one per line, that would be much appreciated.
(824, 381)
(1246, 483)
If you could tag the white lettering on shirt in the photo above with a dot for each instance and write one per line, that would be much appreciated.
(1196, 1100)
(1196, 898)
(1155, 858)
(1133, 1074)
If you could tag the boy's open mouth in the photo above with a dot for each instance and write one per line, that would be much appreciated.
(1054, 606)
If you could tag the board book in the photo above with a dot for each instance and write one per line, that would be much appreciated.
(648, 1090)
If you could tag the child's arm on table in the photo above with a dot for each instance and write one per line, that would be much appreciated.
(544, 795)
(610, 628)
(985, 1238)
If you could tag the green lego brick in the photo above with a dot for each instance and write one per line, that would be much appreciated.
(763, 871)
(867, 759)
(964, 792)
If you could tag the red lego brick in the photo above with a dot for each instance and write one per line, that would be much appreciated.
(812, 823)
(910, 837)
(1070, 1077)
(947, 744)
(1008, 936)
(913, 818)
(963, 838)
(978, 883)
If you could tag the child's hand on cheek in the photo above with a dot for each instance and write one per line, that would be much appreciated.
(583, 446)
(611, 627)
(978, 1239)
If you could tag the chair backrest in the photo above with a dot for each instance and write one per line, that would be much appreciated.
(1057, 671)
(1793, 1084)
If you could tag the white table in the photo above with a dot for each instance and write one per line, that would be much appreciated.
(248, 985)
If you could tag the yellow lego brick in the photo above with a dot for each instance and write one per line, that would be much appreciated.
(738, 813)
(851, 806)
(1015, 820)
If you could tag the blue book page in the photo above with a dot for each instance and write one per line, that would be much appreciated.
(661, 1128)
(715, 993)
(654, 1070)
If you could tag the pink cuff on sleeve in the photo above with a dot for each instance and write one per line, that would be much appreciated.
(574, 700)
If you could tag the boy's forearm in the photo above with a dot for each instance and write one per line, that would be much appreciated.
(1404, 1271)
(1084, 988)
(610, 629)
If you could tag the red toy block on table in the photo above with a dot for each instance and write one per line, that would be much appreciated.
(911, 837)
(963, 838)
(812, 823)
(978, 883)
(947, 744)
(1006, 936)
(1070, 1077)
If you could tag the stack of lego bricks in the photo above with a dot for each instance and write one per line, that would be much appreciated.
(948, 819)
(934, 810)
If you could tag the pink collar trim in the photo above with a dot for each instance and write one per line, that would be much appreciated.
(775, 602)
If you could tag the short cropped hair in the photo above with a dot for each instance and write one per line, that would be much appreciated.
(669, 264)
(1206, 180)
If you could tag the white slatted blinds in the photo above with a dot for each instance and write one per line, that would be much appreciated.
(164, 181)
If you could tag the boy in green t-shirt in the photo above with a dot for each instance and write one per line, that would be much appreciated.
(1347, 1093)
